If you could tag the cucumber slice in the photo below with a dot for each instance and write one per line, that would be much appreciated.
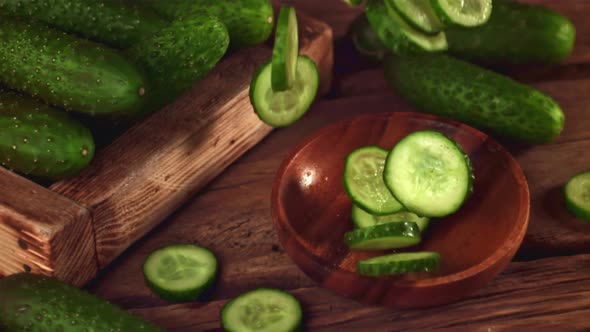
(363, 219)
(419, 14)
(387, 236)
(467, 13)
(429, 174)
(363, 181)
(399, 36)
(365, 40)
(577, 195)
(180, 272)
(285, 51)
(262, 310)
(281, 108)
(406, 262)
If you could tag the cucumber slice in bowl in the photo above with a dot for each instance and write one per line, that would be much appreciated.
(467, 13)
(363, 219)
(406, 262)
(419, 14)
(363, 181)
(180, 272)
(285, 50)
(577, 195)
(387, 236)
(429, 174)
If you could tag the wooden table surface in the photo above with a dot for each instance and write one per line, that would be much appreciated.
(546, 287)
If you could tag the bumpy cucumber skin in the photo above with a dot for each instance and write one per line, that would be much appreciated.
(441, 85)
(180, 54)
(68, 72)
(427, 264)
(249, 22)
(366, 41)
(40, 141)
(407, 229)
(515, 33)
(110, 22)
(30, 302)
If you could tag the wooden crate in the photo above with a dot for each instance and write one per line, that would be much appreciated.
(76, 227)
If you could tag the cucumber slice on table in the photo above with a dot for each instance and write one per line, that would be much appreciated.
(387, 236)
(406, 262)
(285, 51)
(363, 181)
(363, 219)
(577, 195)
(467, 13)
(419, 14)
(180, 272)
(429, 174)
(262, 310)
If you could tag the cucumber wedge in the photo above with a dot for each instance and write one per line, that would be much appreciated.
(467, 13)
(577, 195)
(419, 14)
(363, 219)
(387, 236)
(285, 50)
(406, 262)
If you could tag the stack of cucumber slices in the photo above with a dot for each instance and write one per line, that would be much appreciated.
(396, 192)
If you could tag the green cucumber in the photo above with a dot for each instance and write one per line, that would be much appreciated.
(262, 310)
(285, 50)
(68, 72)
(429, 174)
(577, 195)
(387, 236)
(109, 22)
(180, 272)
(363, 219)
(419, 14)
(40, 141)
(442, 85)
(179, 55)
(30, 302)
(516, 33)
(249, 22)
(467, 13)
(406, 262)
(365, 40)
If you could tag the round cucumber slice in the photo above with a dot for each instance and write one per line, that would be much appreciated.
(397, 35)
(467, 13)
(282, 108)
(285, 51)
(363, 219)
(577, 195)
(387, 236)
(406, 262)
(363, 181)
(429, 174)
(419, 14)
(180, 272)
(262, 310)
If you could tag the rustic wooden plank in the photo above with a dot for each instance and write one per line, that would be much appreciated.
(43, 232)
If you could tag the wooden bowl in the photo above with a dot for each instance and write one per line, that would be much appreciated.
(311, 212)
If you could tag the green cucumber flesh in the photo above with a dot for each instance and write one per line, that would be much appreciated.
(419, 14)
(363, 219)
(429, 174)
(577, 195)
(282, 108)
(406, 262)
(387, 236)
(363, 181)
(467, 13)
(180, 272)
(262, 310)
(285, 50)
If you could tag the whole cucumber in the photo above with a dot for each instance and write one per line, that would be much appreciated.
(30, 302)
(110, 22)
(445, 86)
(68, 72)
(40, 141)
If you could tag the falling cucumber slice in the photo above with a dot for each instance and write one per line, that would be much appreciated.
(577, 195)
(419, 14)
(407, 262)
(467, 13)
(387, 236)
(285, 51)
(363, 219)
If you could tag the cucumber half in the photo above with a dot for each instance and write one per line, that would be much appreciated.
(387, 236)
(467, 13)
(363, 219)
(429, 174)
(262, 310)
(180, 272)
(363, 181)
(419, 14)
(406, 262)
(282, 108)
(285, 50)
(577, 195)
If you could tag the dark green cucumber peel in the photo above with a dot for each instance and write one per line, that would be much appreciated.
(68, 72)
(110, 22)
(38, 140)
(30, 302)
(387, 236)
(577, 195)
(407, 262)
(441, 85)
